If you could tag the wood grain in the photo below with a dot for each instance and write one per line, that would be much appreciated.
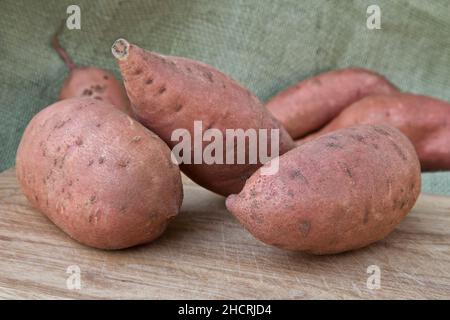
(206, 254)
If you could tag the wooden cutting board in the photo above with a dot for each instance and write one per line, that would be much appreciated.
(206, 254)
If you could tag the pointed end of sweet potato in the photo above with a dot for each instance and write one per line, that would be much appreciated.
(120, 49)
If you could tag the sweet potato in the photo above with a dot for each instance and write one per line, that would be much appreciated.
(424, 120)
(342, 191)
(99, 175)
(312, 103)
(91, 82)
(169, 93)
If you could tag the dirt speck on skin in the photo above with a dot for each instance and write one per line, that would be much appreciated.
(305, 227)
(178, 107)
(209, 76)
(161, 90)
(333, 145)
(61, 123)
(348, 171)
(402, 204)
(298, 175)
(94, 217)
(87, 92)
(79, 141)
(399, 151)
(366, 216)
(123, 163)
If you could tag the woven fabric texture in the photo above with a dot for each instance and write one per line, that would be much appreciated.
(266, 45)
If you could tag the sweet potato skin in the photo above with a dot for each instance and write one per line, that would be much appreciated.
(342, 191)
(100, 176)
(168, 93)
(424, 120)
(98, 84)
(312, 103)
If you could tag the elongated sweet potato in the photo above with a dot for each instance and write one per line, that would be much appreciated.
(91, 82)
(100, 176)
(424, 120)
(342, 191)
(312, 103)
(169, 93)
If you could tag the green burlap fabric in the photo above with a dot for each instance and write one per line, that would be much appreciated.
(267, 45)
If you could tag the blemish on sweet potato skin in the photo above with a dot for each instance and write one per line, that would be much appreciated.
(123, 163)
(333, 145)
(348, 172)
(87, 92)
(178, 107)
(304, 227)
(209, 76)
(161, 90)
(92, 198)
(366, 216)
(79, 141)
(399, 151)
(298, 175)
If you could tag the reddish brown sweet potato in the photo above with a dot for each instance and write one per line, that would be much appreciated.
(169, 93)
(424, 120)
(340, 192)
(99, 175)
(91, 82)
(310, 104)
